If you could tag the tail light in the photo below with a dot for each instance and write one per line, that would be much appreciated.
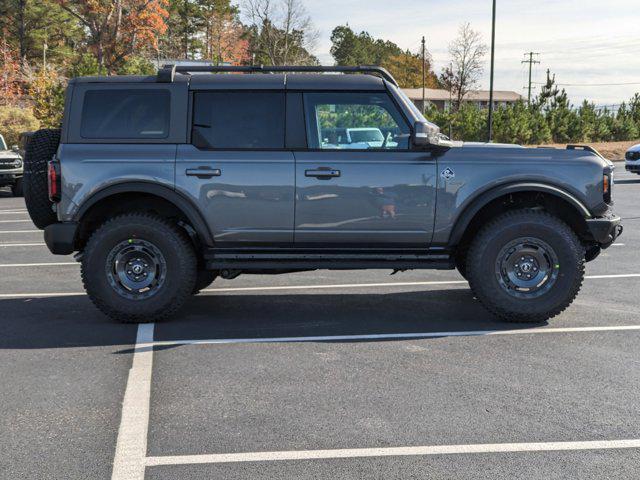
(53, 176)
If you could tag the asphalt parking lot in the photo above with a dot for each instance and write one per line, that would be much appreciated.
(318, 375)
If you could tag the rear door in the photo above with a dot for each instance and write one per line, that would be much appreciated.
(359, 183)
(236, 168)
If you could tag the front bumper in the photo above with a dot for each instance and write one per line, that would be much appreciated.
(605, 230)
(60, 237)
(9, 178)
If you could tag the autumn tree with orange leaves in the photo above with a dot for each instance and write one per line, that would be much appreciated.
(116, 29)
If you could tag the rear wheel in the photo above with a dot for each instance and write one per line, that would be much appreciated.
(526, 266)
(139, 268)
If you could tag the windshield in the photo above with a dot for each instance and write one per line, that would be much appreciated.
(371, 135)
(3, 145)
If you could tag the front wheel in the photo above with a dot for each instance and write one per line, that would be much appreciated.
(139, 268)
(526, 266)
(16, 189)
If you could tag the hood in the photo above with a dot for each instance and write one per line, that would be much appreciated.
(5, 154)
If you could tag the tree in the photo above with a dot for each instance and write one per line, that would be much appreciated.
(14, 121)
(40, 30)
(281, 32)
(10, 78)
(467, 52)
(406, 68)
(225, 38)
(118, 28)
(46, 90)
(349, 48)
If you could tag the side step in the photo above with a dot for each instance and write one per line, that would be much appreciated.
(290, 259)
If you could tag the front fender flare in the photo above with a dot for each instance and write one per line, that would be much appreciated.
(481, 200)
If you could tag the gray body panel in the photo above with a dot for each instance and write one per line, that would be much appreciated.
(250, 202)
(88, 169)
(478, 169)
(380, 198)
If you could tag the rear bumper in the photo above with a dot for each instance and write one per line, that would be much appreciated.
(605, 230)
(60, 237)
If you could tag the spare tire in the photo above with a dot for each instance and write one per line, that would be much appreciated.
(40, 148)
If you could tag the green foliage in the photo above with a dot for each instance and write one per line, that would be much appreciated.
(47, 94)
(350, 48)
(14, 121)
(137, 65)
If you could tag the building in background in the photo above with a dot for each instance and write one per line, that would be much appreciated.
(441, 99)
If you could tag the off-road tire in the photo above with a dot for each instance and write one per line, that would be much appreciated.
(16, 188)
(204, 278)
(41, 147)
(171, 241)
(485, 250)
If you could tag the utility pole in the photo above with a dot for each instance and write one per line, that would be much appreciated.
(493, 54)
(531, 62)
(424, 74)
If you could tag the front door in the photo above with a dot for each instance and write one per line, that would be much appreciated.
(236, 169)
(359, 183)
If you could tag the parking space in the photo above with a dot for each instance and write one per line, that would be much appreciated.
(317, 375)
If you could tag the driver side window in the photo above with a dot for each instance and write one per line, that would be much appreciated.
(354, 121)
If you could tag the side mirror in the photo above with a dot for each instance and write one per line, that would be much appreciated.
(425, 133)
(15, 148)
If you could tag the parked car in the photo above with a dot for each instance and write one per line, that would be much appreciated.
(11, 168)
(162, 183)
(632, 159)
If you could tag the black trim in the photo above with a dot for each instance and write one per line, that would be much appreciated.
(295, 126)
(183, 204)
(60, 237)
(605, 230)
(480, 201)
(167, 72)
(309, 259)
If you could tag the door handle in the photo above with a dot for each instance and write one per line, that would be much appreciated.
(323, 173)
(203, 172)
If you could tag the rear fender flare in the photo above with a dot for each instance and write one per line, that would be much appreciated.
(179, 201)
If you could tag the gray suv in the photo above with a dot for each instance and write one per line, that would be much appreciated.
(163, 183)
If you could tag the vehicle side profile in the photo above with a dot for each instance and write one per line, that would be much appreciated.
(162, 183)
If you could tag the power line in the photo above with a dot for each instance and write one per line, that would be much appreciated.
(531, 61)
(591, 84)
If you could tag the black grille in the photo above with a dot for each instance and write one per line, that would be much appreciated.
(633, 155)
(7, 164)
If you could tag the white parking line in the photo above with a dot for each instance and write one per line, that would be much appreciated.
(20, 231)
(131, 446)
(15, 221)
(22, 244)
(45, 264)
(391, 452)
(12, 212)
(308, 287)
(397, 336)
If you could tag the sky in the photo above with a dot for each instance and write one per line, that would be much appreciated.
(582, 42)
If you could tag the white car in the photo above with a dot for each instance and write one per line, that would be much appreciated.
(632, 159)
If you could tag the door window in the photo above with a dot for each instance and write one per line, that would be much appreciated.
(239, 120)
(354, 121)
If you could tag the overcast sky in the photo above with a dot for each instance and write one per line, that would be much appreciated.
(583, 42)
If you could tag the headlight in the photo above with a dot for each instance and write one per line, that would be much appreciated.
(17, 163)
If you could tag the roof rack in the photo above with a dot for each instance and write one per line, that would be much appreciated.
(167, 73)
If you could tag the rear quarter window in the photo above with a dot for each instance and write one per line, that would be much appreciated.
(125, 114)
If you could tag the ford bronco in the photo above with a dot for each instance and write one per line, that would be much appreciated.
(163, 183)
